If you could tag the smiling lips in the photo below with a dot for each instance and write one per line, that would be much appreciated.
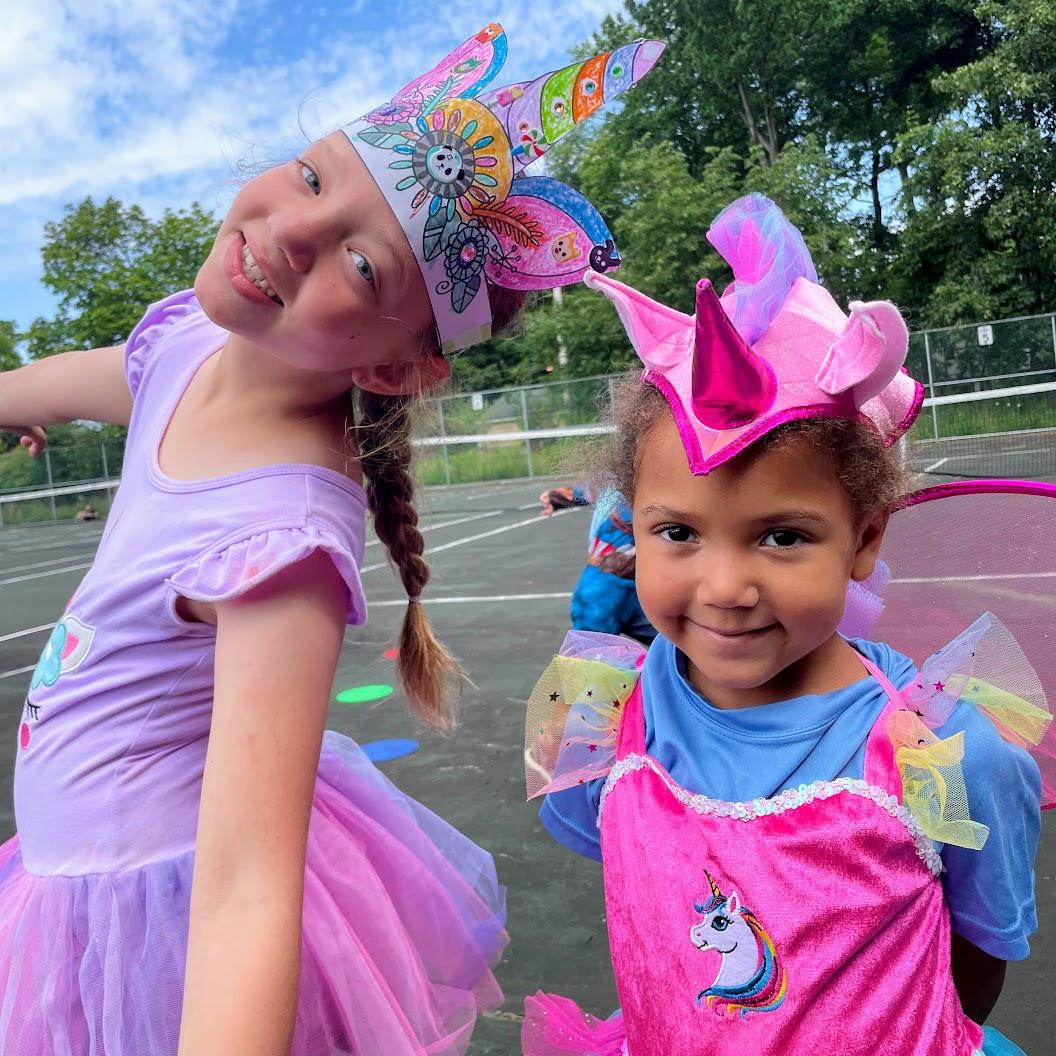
(747, 635)
(256, 275)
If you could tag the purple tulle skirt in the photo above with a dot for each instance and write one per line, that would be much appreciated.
(403, 922)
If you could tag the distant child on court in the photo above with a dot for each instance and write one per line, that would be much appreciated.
(198, 868)
(811, 847)
(604, 598)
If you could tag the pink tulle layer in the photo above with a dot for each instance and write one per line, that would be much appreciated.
(403, 922)
(557, 1026)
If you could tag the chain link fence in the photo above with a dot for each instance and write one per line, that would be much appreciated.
(982, 381)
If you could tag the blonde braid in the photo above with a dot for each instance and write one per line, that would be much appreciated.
(424, 665)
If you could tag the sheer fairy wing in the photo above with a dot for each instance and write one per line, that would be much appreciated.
(574, 711)
(960, 550)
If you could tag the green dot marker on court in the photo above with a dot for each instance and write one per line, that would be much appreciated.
(364, 694)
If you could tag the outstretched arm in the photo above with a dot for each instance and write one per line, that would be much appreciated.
(86, 385)
(277, 650)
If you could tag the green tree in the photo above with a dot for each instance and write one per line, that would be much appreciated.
(981, 242)
(9, 337)
(107, 262)
(9, 360)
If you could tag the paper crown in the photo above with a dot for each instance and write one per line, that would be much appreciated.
(449, 158)
(775, 348)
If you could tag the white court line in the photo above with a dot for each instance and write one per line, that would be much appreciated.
(506, 490)
(42, 575)
(976, 579)
(89, 541)
(28, 630)
(368, 568)
(449, 524)
(1006, 453)
(472, 538)
(17, 671)
(471, 600)
(76, 568)
(37, 564)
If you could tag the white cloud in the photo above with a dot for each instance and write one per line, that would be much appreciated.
(145, 99)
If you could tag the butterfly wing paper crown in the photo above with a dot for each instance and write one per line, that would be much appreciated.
(776, 347)
(449, 154)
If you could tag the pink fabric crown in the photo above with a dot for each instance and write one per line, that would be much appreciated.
(449, 154)
(775, 348)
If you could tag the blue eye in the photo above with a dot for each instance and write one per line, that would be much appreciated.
(309, 176)
(783, 538)
(363, 266)
(720, 923)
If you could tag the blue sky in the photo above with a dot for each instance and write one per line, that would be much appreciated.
(154, 102)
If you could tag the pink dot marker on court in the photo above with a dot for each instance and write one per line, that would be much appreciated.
(390, 654)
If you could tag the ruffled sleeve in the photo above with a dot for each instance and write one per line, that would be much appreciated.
(574, 711)
(143, 340)
(233, 568)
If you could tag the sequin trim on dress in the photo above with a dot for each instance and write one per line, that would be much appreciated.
(787, 800)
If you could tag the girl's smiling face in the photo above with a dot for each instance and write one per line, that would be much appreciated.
(746, 569)
(311, 265)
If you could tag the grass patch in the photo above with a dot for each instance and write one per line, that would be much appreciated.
(997, 414)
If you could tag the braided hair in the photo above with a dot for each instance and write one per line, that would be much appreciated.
(425, 667)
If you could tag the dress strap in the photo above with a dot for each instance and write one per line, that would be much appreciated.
(880, 768)
(630, 736)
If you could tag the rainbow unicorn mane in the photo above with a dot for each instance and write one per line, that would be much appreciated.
(751, 977)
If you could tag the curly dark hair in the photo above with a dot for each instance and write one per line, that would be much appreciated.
(871, 475)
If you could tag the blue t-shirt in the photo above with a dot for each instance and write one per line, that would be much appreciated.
(738, 755)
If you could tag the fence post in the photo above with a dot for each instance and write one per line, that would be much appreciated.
(51, 483)
(527, 443)
(443, 447)
(931, 386)
(1052, 320)
(106, 464)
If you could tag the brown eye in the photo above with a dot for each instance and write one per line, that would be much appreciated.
(783, 538)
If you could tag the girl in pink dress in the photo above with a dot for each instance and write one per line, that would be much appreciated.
(198, 868)
(811, 847)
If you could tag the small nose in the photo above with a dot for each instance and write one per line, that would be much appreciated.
(726, 582)
(298, 236)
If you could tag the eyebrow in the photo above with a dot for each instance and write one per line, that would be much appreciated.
(667, 511)
(783, 516)
(790, 515)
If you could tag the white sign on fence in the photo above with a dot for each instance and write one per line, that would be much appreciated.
(476, 401)
(986, 334)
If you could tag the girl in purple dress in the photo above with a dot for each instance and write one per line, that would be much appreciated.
(198, 868)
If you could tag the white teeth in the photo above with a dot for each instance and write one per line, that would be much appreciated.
(256, 275)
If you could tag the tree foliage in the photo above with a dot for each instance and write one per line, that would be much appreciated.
(107, 262)
(912, 141)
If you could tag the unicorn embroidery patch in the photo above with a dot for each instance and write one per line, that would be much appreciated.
(751, 977)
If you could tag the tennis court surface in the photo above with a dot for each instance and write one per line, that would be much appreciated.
(499, 598)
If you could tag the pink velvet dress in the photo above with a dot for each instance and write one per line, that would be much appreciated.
(809, 923)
